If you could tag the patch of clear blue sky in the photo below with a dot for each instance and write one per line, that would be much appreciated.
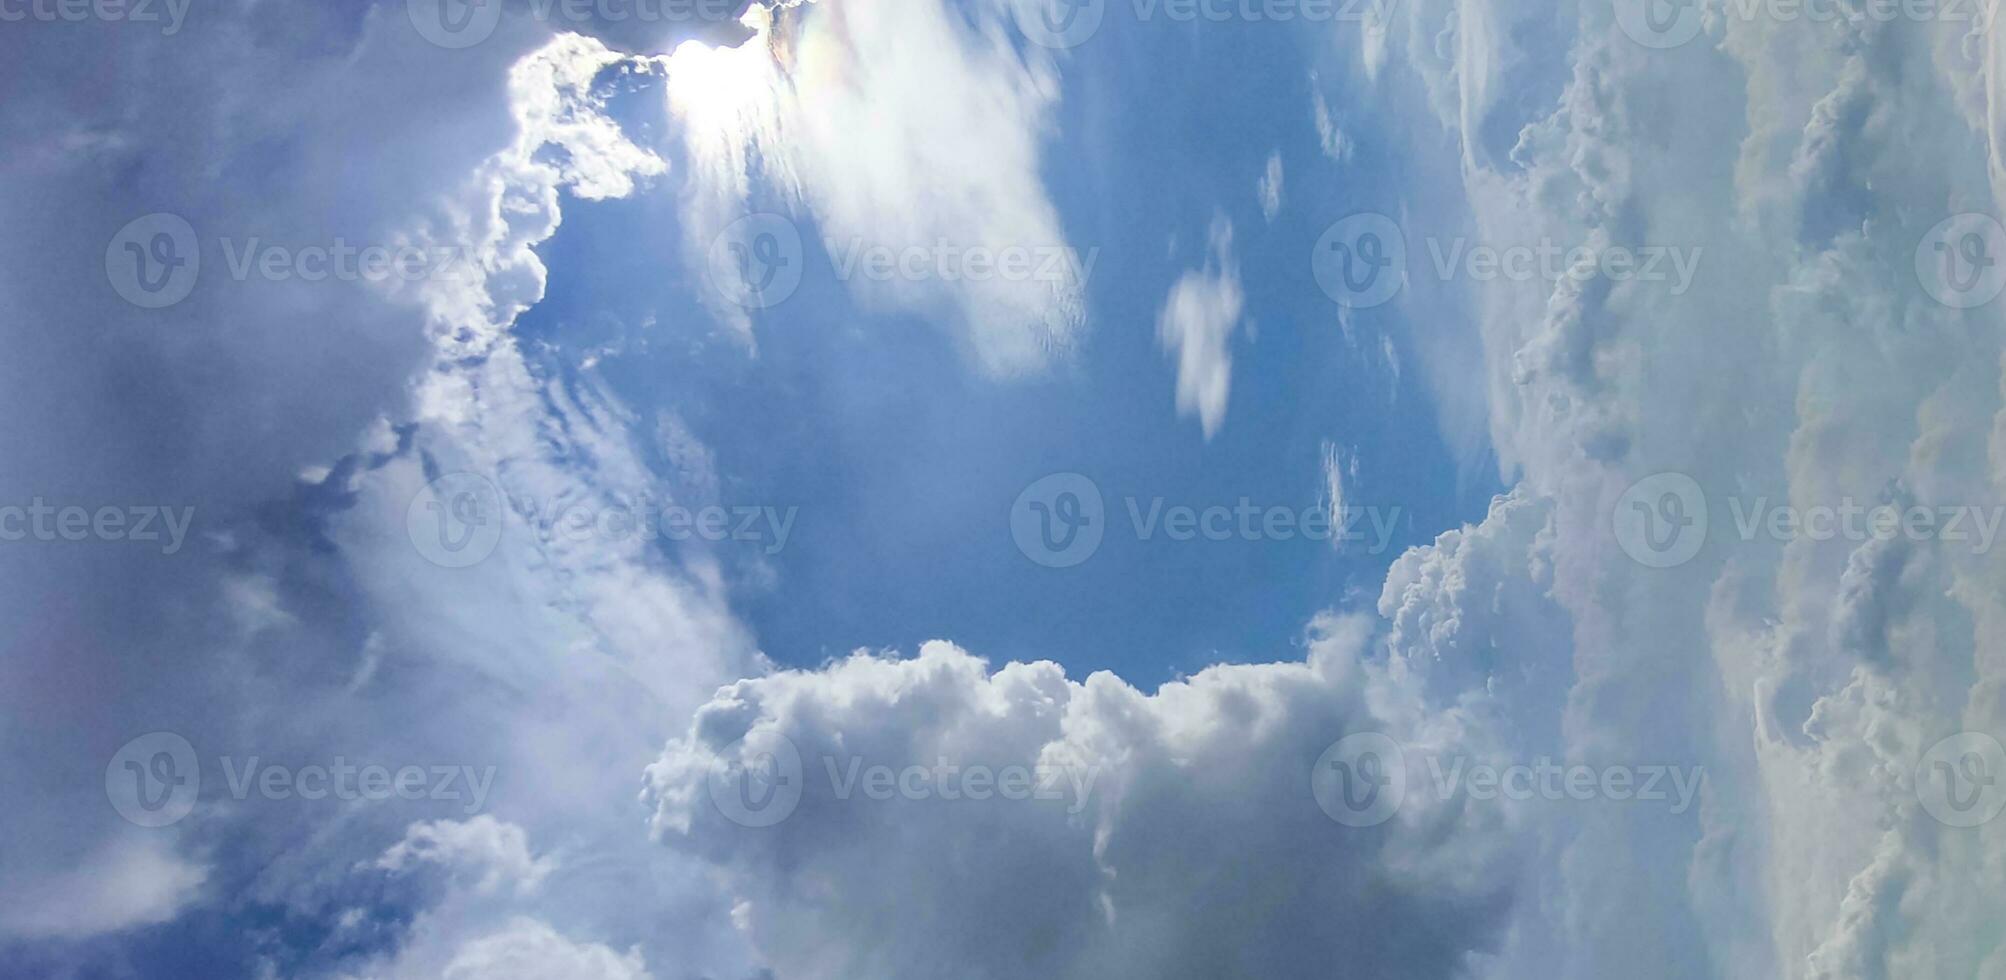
(904, 458)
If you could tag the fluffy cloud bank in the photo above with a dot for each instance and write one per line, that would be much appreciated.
(1816, 359)
(1147, 815)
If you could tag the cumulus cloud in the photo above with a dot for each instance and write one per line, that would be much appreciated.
(1807, 364)
(531, 950)
(498, 852)
(1205, 780)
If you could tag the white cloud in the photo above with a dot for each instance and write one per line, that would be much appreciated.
(1807, 676)
(1196, 325)
(1338, 466)
(126, 883)
(1806, 162)
(497, 851)
(531, 950)
(896, 123)
(1334, 142)
(306, 625)
(1270, 187)
(1206, 780)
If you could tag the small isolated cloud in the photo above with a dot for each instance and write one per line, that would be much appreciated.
(1338, 466)
(1270, 187)
(1336, 145)
(1195, 324)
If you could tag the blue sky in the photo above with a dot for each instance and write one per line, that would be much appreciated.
(904, 457)
(348, 347)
